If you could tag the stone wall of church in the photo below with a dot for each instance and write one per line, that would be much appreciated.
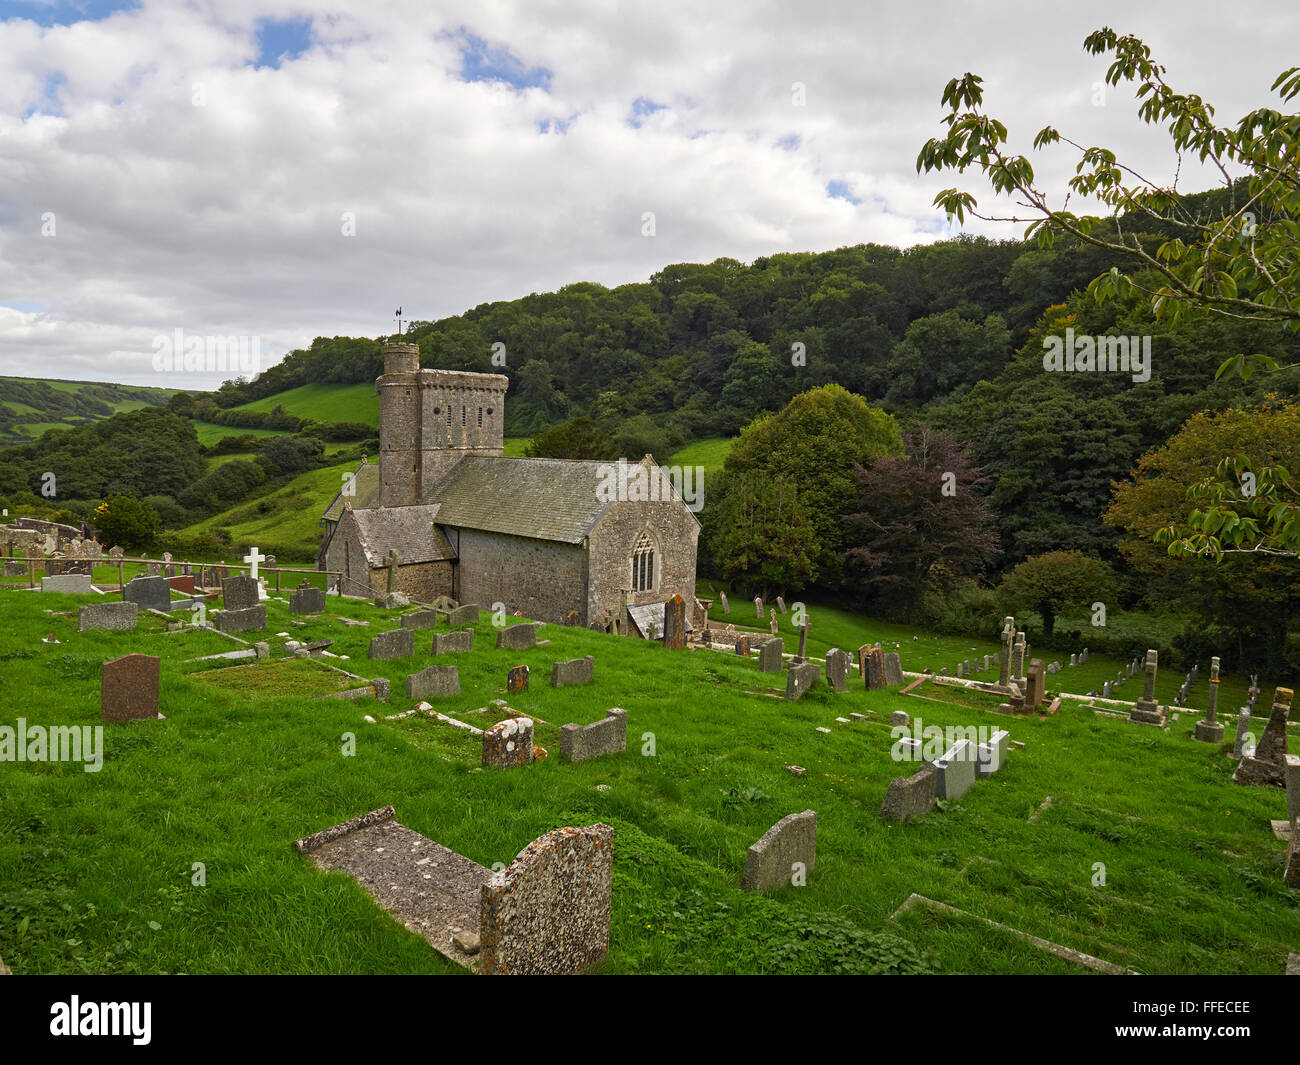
(675, 533)
(540, 579)
(422, 581)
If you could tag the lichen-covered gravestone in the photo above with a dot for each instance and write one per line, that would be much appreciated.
(437, 682)
(585, 742)
(518, 637)
(801, 677)
(117, 616)
(837, 669)
(909, 797)
(307, 600)
(253, 617)
(548, 912)
(463, 615)
(421, 619)
(508, 744)
(742, 646)
(769, 655)
(517, 679)
(873, 669)
(574, 671)
(397, 643)
(675, 624)
(1268, 764)
(453, 643)
(784, 855)
(238, 593)
(128, 688)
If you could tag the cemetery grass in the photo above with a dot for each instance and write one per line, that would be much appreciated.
(98, 868)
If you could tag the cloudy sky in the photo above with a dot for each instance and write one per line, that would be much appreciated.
(269, 169)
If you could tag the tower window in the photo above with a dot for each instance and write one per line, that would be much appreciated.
(480, 417)
(643, 564)
(449, 416)
(462, 417)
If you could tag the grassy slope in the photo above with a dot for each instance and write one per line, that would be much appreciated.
(710, 454)
(101, 864)
(330, 403)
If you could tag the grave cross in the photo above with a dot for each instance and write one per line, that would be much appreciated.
(803, 641)
(391, 561)
(253, 558)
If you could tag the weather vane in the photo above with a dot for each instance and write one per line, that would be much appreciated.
(399, 321)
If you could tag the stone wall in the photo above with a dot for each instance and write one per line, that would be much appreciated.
(422, 582)
(541, 579)
(548, 912)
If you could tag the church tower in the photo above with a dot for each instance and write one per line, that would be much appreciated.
(431, 419)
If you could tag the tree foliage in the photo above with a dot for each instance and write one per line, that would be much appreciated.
(1057, 581)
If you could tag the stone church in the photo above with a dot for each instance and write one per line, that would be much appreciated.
(445, 514)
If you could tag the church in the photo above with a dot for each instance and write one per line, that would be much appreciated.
(444, 513)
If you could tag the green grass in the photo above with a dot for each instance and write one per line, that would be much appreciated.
(710, 454)
(514, 446)
(328, 403)
(98, 867)
(209, 433)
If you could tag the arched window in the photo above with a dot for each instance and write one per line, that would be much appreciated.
(643, 564)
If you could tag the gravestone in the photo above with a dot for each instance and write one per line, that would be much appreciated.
(181, 583)
(769, 656)
(128, 688)
(780, 604)
(893, 670)
(837, 669)
(518, 637)
(309, 600)
(1146, 710)
(437, 682)
(508, 744)
(574, 671)
(116, 553)
(1243, 730)
(463, 615)
(900, 718)
(1210, 730)
(1268, 765)
(1291, 871)
(802, 654)
(800, 677)
(149, 593)
(909, 797)
(785, 854)
(675, 624)
(253, 617)
(16, 569)
(726, 607)
(239, 593)
(453, 643)
(1036, 686)
(873, 669)
(581, 743)
(956, 770)
(991, 755)
(1018, 651)
(771, 621)
(68, 584)
(742, 646)
(571, 618)
(397, 643)
(1004, 661)
(758, 607)
(517, 679)
(548, 912)
(107, 616)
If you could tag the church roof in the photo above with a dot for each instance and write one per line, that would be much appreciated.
(543, 499)
(407, 530)
(366, 493)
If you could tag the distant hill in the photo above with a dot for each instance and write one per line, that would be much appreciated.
(29, 406)
(324, 402)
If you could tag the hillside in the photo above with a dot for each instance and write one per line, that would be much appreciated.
(29, 406)
(324, 402)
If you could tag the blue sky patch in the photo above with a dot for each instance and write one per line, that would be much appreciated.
(789, 143)
(642, 107)
(480, 61)
(279, 40)
(839, 190)
(63, 12)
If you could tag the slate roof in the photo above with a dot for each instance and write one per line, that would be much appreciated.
(367, 492)
(407, 530)
(543, 499)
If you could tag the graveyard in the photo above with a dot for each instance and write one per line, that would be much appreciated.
(1099, 845)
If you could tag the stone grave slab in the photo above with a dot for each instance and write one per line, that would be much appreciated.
(452, 643)
(396, 643)
(433, 682)
(117, 616)
(786, 851)
(128, 688)
(574, 671)
(582, 743)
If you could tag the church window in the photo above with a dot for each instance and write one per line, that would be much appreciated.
(480, 417)
(643, 564)
(462, 417)
(448, 415)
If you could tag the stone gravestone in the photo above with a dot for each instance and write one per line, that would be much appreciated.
(990, 756)
(758, 607)
(1146, 710)
(1018, 651)
(956, 770)
(253, 617)
(742, 646)
(518, 637)
(874, 669)
(769, 656)
(800, 677)
(1036, 686)
(421, 619)
(239, 593)
(802, 654)
(780, 604)
(463, 615)
(837, 669)
(128, 688)
(784, 855)
(675, 624)
(453, 643)
(1210, 729)
(149, 593)
(574, 671)
(909, 797)
(508, 744)
(107, 616)
(1243, 730)
(308, 600)
(1268, 765)
(1291, 871)
(398, 643)
(772, 624)
(1004, 661)
(548, 912)
(726, 607)
(517, 679)
(893, 670)
(68, 584)
(583, 743)
(437, 682)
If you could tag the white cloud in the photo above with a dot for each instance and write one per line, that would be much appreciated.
(226, 218)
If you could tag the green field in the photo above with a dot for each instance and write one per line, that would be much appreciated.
(710, 454)
(209, 433)
(327, 403)
(99, 868)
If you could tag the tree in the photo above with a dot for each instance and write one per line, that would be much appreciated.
(579, 438)
(815, 443)
(125, 520)
(913, 513)
(762, 533)
(1055, 582)
(1245, 263)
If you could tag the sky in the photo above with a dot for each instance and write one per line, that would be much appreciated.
(274, 171)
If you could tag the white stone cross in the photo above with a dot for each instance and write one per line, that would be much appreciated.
(254, 558)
